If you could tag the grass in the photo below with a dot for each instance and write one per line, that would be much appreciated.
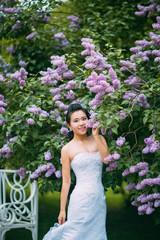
(123, 222)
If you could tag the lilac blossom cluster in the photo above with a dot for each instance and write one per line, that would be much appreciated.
(48, 155)
(111, 159)
(140, 99)
(140, 50)
(133, 81)
(22, 172)
(10, 49)
(31, 36)
(98, 84)
(61, 37)
(127, 65)
(92, 122)
(51, 76)
(34, 109)
(152, 145)
(11, 10)
(151, 201)
(74, 22)
(120, 141)
(19, 76)
(154, 6)
(95, 60)
(48, 168)
(17, 25)
(64, 131)
(2, 107)
(143, 166)
(5, 151)
(148, 182)
(122, 114)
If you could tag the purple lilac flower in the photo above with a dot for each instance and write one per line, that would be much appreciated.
(122, 114)
(5, 149)
(22, 172)
(31, 121)
(70, 85)
(11, 10)
(2, 110)
(18, 75)
(58, 174)
(70, 95)
(10, 49)
(59, 35)
(43, 168)
(1, 121)
(74, 22)
(31, 36)
(133, 81)
(34, 109)
(152, 145)
(61, 105)
(120, 141)
(22, 83)
(2, 104)
(1, 97)
(49, 172)
(44, 114)
(13, 139)
(148, 182)
(64, 131)
(127, 65)
(1, 78)
(157, 203)
(65, 43)
(130, 186)
(142, 101)
(22, 63)
(112, 166)
(69, 74)
(50, 77)
(17, 26)
(48, 155)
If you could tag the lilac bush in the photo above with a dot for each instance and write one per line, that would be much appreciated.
(122, 98)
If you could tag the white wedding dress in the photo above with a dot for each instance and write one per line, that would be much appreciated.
(86, 216)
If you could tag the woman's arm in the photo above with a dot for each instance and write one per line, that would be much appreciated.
(101, 143)
(66, 181)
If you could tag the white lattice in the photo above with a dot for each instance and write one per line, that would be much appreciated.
(18, 208)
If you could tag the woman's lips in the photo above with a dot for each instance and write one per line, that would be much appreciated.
(82, 128)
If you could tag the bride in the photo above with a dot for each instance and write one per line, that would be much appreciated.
(86, 216)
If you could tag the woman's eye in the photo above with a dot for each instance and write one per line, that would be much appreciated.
(84, 118)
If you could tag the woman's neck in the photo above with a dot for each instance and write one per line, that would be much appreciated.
(80, 138)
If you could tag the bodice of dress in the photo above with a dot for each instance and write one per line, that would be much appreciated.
(87, 168)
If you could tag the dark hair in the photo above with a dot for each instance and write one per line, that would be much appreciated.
(71, 109)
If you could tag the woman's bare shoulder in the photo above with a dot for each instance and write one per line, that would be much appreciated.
(66, 147)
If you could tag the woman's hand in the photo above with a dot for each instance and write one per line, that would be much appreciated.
(95, 132)
(61, 217)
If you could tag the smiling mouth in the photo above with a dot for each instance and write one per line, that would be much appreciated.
(82, 128)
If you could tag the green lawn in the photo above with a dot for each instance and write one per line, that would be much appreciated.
(123, 222)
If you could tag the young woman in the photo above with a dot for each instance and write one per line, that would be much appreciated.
(86, 216)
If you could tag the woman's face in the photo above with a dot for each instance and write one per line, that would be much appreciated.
(78, 121)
